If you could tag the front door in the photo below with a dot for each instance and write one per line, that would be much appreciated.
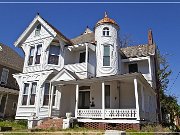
(84, 100)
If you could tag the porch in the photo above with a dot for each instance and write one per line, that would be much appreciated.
(120, 97)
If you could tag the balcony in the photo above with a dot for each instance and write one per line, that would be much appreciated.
(82, 70)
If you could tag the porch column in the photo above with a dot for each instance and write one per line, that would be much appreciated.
(142, 94)
(86, 60)
(77, 100)
(136, 98)
(51, 100)
(103, 101)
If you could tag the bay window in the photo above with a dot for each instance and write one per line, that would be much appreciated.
(106, 56)
(29, 93)
(54, 54)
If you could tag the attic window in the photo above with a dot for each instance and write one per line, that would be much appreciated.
(105, 31)
(38, 29)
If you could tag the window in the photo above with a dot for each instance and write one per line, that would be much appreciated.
(31, 56)
(35, 51)
(33, 93)
(46, 95)
(105, 31)
(25, 94)
(107, 96)
(37, 30)
(4, 76)
(38, 54)
(29, 93)
(54, 96)
(106, 56)
(133, 68)
(82, 57)
(54, 55)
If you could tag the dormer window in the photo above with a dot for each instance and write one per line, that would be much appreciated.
(54, 55)
(35, 55)
(37, 30)
(105, 31)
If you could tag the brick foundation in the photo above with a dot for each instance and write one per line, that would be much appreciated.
(51, 123)
(110, 126)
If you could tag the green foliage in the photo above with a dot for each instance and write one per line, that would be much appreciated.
(14, 124)
(169, 104)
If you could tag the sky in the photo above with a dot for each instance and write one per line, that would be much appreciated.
(133, 19)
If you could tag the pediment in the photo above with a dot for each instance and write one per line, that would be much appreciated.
(64, 75)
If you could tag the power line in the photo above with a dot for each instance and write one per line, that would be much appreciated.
(175, 80)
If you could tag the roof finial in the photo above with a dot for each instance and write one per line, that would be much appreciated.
(37, 13)
(150, 37)
(105, 14)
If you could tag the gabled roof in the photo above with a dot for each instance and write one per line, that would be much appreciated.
(139, 50)
(48, 26)
(64, 75)
(10, 58)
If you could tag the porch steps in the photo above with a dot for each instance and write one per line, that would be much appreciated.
(48, 123)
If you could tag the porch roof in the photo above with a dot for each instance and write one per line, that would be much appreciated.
(119, 77)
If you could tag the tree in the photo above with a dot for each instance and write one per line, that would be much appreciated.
(169, 104)
(126, 40)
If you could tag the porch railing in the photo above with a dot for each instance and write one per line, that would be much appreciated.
(89, 113)
(109, 113)
(120, 113)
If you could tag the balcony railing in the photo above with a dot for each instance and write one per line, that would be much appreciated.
(81, 69)
(109, 113)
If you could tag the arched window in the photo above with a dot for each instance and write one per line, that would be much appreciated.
(105, 31)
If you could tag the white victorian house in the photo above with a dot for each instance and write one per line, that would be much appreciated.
(90, 76)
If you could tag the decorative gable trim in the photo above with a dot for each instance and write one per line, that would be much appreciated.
(32, 24)
(64, 75)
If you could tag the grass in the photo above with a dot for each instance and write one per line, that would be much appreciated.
(20, 128)
(16, 125)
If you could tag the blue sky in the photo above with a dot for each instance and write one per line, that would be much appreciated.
(72, 19)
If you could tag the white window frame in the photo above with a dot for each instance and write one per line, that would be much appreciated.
(55, 100)
(57, 55)
(34, 55)
(29, 93)
(109, 55)
(37, 30)
(5, 73)
(105, 31)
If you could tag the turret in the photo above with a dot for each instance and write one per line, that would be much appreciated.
(106, 37)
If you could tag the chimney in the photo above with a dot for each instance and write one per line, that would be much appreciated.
(150, 37)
